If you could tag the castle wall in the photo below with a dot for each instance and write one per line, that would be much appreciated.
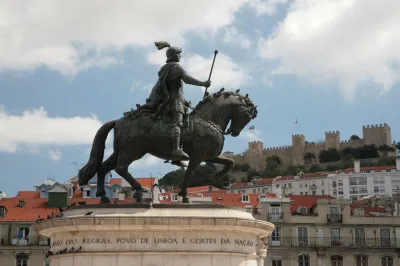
(256, 155)
(315, 148)
(352, 143)
(284, 152)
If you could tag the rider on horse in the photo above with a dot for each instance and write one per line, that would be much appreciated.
(168, 91)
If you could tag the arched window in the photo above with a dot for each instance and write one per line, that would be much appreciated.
(304, 260)
(387, 261)
(21, 259)
(336, 261)
(361, 261)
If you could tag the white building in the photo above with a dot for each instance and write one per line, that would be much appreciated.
(359, 182)
(301, 184)
(258, 186)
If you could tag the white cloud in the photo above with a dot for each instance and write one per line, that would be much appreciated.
(139, 86)
(266, 7)
(147, 161)
(55, 155)
(35, 127)
(233, 36)
(250, 135)
(226, 73)
(63, 35)
(344, 42)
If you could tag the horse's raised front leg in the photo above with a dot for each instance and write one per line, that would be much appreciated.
(106, 167)
(196, 159)
(124, 160)
(227, 162)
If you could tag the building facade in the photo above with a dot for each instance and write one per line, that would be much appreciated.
(322, 231)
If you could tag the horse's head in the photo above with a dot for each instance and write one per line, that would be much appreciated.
(224, 107)
(243, 112)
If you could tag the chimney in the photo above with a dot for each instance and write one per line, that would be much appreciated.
(210, 189)
(398, 163)
(357, 166)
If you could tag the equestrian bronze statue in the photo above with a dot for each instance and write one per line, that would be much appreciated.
(163, 127)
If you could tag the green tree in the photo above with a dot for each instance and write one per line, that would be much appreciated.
(398, 145)
(329, 155)
(314, 168)
(245, 167)
(349, 153)
(385, 149)
(309, 157)
(354, 138)
(252, 173)
(173, 178)
(368, 151)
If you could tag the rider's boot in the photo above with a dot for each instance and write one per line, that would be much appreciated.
(177, 152)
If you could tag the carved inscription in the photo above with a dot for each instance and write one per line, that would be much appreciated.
(155, 240)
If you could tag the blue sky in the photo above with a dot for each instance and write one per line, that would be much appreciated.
(66, 68)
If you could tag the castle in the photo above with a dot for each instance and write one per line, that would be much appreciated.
(256, 155)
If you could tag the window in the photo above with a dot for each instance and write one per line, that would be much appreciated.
(360, 236)
(336, 261)
(335, 237)
(314, 192)
(303, 210)
(174, 197)
(304, 260)
(385, 237)
(276, 263)
(387, 261)
(21, 259)
(86, 193)
(276, 237)
(302, 236)
(323, 192)
(2, 212)
(361, 261)
(245, 198)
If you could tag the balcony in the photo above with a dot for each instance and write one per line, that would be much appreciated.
(275, 217)
(335, 218)
(325, 242)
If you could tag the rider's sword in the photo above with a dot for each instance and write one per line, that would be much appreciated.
(209, 77)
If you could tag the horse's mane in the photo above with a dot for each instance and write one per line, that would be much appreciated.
(216, 95)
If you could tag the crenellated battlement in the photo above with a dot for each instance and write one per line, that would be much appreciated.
(278, 148)
(314, 144)
(332, 132)
(352, 141)
(377, 134)
(377, 126)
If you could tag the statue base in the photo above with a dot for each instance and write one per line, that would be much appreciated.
(156, 235)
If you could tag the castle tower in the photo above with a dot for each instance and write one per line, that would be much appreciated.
(255, 156)
(377, 134)
(298, 147)
(256, 145)
(332, 140)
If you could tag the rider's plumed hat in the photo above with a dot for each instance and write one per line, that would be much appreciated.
(171, 52)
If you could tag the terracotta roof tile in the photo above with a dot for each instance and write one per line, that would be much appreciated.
(369, 168)
(307, 201)
(116, 181)
(264, 181)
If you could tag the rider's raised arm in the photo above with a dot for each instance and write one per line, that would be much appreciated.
(189, 79)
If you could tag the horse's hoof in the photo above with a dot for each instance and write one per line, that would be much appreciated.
(186, 200)
(104, 200)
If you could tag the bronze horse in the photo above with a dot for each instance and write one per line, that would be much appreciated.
(202, 139)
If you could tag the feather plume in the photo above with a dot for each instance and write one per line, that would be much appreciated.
(161, 45)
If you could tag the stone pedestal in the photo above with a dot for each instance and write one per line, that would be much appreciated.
(157, 235)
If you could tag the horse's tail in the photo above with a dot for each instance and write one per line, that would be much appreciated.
(96, 154)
